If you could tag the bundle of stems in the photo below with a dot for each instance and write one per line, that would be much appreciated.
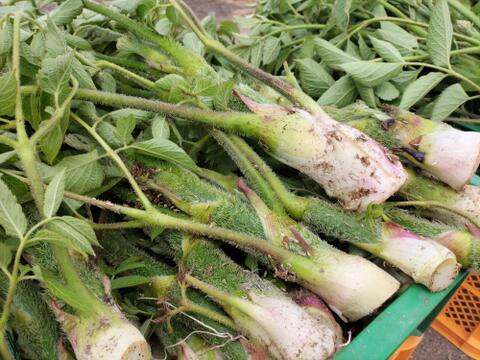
(258, 309)
(337, 146)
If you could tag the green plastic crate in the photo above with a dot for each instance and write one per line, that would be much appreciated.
(414, 309)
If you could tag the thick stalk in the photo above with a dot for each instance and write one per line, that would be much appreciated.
(465, 11)
(248, 124)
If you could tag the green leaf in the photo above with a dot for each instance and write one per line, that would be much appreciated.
(129, 264)
(160, 127)
(165, 150)
(371, 74)
(331, 54)
(54, 194)
(125, 127)
(129, 281)
(83, 173)
(387, 91)
(6, 36)
(54, 73)
(222, 97)
(397, 36)
(419, 88)
(58, 239)
(315, 80)
(367, 95)
(55, 43)
(340, 94)
(8, 89)
(66, 12)
(271, 49)
(191, 41)
(365, 52)
(106, 81)
(5, 255)
(108, 132)
(76, 230)
(52, 142)
(4, 157)
(12, 218)
(341, 13)
(256, 54)
(65, 293)
(440, 33)
(163, 26)
(83, 77)
(387, 51)
(449, 100)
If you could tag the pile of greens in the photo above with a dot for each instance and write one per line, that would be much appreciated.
(163, 196)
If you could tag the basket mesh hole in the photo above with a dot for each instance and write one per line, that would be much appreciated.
(464, 307)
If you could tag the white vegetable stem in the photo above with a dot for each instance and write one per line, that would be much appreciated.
(349, 165)
(425, 260)
(449, 154)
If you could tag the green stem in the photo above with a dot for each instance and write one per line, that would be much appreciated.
(48, 125)
(118, 226)
(291, 28)
(129, 64)
(295, 94)
(212, 315)
(429, 203)
(295, 205)
(248, 169)
(465, 11)
(156, 218)
(450, 72)
(116, 158)
(12, 288)
(150, 85)
(245, 123)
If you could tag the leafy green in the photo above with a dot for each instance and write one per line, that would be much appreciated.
(8, 89)
(165, 150)
(372, 74)
(54, 194)
(12, 218)
(448, 101)
(419, 88)
(440, 34)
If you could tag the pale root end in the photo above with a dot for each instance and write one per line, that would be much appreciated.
(352, 286)
(444, 275)
(426, 261)
(119, 340)
(466, 200)
(451, 155)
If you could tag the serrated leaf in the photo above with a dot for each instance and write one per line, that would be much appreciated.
(271, 49)
(314, 79)
(387, 51)
(449, 100)
(83, 77)
(83, 172)
(125, 127)
(108, 132)
(5, 255)
(165, 150)
(129, 281)
(191, 41)
(76, 42)
(256, 54)
(76, 230)
(66, 12)
(52, 142)
(8, 91)
(222, 97)
(419, 88)
(387, 91)
(160, 127)
(54, 73)
(340, 94)
(440, 33)
(55, 238)
(170, 81)
(12, 218)
(371, 74)
(331, 54)
(54, 194)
